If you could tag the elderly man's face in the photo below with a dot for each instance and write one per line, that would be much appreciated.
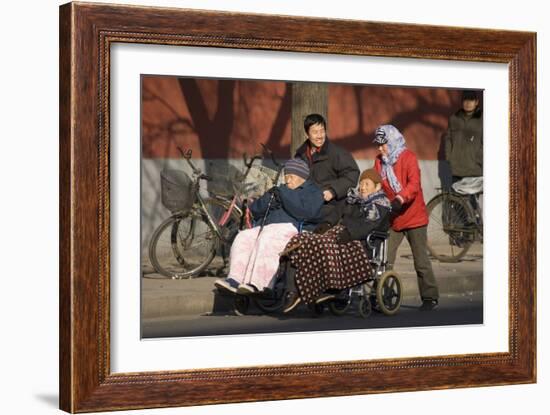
(317, 135)
(292, 181)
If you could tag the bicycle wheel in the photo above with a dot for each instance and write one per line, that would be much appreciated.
(451, 227)
(216, 209)
(183, 245)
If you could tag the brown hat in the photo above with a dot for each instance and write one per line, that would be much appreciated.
(371, 174)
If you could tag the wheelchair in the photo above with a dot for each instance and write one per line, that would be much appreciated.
(381, 292)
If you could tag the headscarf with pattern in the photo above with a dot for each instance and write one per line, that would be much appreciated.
(388, 134)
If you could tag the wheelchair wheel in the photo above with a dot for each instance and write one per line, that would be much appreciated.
(365, 307)
(271, 303)
(389, 293)
(275, 299)
(241, 305)
(341, 304)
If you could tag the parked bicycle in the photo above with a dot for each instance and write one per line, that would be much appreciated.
(185, 244)
(455, 223)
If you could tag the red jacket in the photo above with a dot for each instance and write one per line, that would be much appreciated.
(407, 171)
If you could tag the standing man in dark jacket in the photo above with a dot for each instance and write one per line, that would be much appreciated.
(332, 168)
(464, 139)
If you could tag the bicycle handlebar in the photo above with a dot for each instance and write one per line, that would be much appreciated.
(195, 169)
(268, 151)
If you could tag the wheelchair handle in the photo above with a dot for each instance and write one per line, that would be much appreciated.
(374, 235)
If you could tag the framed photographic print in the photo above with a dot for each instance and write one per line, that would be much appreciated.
(176, 284)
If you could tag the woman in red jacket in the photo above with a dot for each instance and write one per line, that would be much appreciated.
(400, 173)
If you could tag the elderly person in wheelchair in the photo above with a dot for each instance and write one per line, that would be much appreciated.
(328, 261)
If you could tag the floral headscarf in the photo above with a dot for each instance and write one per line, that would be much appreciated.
(388, 134)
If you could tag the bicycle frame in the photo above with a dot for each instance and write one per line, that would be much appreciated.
(197, 176)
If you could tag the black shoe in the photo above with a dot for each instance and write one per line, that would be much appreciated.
(293, 300)
(428, 305)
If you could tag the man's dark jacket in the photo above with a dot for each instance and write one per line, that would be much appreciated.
(464, 144)
(334, 169)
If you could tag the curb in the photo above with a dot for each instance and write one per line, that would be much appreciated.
(193, 297)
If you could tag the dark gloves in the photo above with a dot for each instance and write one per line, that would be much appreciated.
(276, 202)
(396, 206)
(322, 228)
(344, 237)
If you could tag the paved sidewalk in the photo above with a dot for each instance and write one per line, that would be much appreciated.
(163, 298)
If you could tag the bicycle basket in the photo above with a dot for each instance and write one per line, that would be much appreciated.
(176, 190)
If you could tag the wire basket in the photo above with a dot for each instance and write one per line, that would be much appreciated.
(176, 190)
(259, 180)
(232, 181)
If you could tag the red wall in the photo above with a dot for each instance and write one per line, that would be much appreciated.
(223, 119)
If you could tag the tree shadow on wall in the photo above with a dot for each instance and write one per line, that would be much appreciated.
(162, 137)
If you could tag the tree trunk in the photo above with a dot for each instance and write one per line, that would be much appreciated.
(307, 98)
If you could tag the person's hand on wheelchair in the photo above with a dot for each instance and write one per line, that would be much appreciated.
(397, 205)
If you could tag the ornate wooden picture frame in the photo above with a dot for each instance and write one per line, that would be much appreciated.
(87, 32)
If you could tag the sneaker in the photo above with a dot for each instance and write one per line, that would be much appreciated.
(428, 305)
(325, 297)
(293, 301)
(245, 289)
(227, 284)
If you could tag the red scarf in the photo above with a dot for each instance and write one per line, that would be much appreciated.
(310, 151)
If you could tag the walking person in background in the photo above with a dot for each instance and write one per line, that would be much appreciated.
(333, 168)
(400, 172)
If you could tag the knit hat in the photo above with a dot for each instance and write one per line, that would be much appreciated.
(371, 174)
(298, 167)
